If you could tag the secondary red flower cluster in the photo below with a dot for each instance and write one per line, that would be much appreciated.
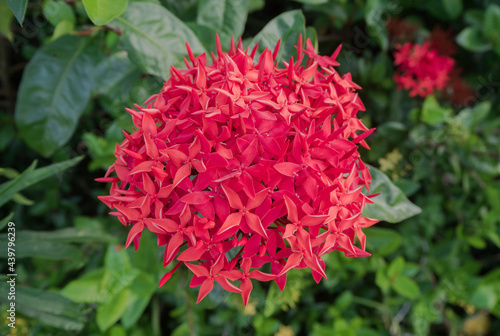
(421, 69)
(238, 166)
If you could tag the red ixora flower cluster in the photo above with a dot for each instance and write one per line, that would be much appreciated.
(421, 69)
(238, 166)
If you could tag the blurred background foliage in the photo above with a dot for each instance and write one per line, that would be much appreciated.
(71, 68)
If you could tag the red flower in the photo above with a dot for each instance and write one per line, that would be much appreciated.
(420, 69)
(236, 165)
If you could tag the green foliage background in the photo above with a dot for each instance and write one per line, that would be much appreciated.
(73, 66)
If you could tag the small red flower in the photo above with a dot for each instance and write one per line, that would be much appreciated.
(246, 171)
(420, 69)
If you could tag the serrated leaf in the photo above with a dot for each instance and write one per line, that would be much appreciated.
(223, 16)
(103, 11)
(154, 38)
(54, 91)
(285, 27)
(18, 7)
(391, 205)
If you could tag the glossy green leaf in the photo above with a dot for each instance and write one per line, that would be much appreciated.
(114, 74)
(432, 112)
(57, 11)
(375, 21)
(31, 176)
(154, 38)
(34, 248)
(453, 8)
(473, 39)
(108, 313)
(54, 92)
(406, 287)
(103, 11)
(141, 291)
(48, 308)
(85, 289)
(67, 235)
(285, 27)
(18, 7)
(391, 205)
(223, 16)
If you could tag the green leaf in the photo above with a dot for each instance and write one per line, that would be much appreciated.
(406, 287)
(49, 308)
(64, 27)
(141, 291)
(391, 205)
(453, 8)
(54, 91)
(255, 5)
(103, 11)
(154, 38)
(396, 267)
(31, 176)
(109, 312)
(57, 11)
(18, 7)
(224, 16)
(312, 2)
(432, 112)
(113, 72)
(491, 25)
(374, 10)
(23, 200)
(473, 39)
(5, 18)
(85, 289)
(382, 241)
(484, 297)
(5, 221)
(41, 249)
(285, 27)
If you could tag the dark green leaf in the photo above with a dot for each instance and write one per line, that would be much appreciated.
(103, 11)
(396, 267)
(54, 92)
(473, 39)
(115, 74)
(382, 241)
(391, 205)
(375, 21)
(31, 176)
(18, 7)
(154, 38)
(491, 25)
(453, 8)
(49, 308)
(223, 16)
(66, 235)
(285, 27)
(41, 249)
(5, 221)
(406, 287)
